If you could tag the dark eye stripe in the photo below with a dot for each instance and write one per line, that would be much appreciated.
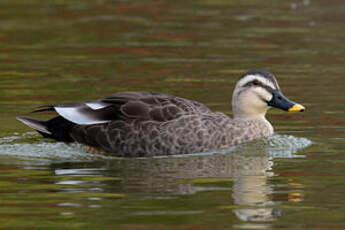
(259, 84)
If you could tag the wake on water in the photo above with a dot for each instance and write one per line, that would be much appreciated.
(30, 145)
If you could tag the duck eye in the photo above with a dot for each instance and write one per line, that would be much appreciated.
(255, 82)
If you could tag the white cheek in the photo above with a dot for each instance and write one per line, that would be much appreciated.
(252, 100)
(263, 94)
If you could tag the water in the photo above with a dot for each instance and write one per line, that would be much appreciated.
(60, 51)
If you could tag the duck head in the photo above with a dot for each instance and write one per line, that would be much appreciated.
(256, 92)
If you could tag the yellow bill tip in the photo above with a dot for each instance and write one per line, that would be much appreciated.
(297, 108)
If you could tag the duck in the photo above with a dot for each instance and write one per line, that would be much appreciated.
(140, 124)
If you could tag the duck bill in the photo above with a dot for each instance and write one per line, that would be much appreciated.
(296, 108)
(281, 102)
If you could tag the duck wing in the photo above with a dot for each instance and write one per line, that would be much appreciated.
(144, 106)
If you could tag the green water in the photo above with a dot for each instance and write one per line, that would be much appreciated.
(60, 51)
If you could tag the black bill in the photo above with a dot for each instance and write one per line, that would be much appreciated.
(281, 102)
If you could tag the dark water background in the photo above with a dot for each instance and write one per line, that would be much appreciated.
(59, 51)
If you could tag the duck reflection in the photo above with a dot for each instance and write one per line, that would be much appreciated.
(247, 168)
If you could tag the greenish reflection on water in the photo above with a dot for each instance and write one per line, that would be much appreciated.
(52, 51)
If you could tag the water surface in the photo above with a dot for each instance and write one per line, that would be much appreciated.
(61, 51)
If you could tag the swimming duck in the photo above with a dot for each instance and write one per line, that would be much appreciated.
(132, 124)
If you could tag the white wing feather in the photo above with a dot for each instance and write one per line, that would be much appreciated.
(79, 115)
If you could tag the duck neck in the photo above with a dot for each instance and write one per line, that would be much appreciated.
(247, 114)
(255, 118)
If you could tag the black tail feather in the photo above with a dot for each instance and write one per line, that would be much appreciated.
(57, 128)
(43, 110)
(40, 126)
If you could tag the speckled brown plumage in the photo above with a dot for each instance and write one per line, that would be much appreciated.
(159, 124)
